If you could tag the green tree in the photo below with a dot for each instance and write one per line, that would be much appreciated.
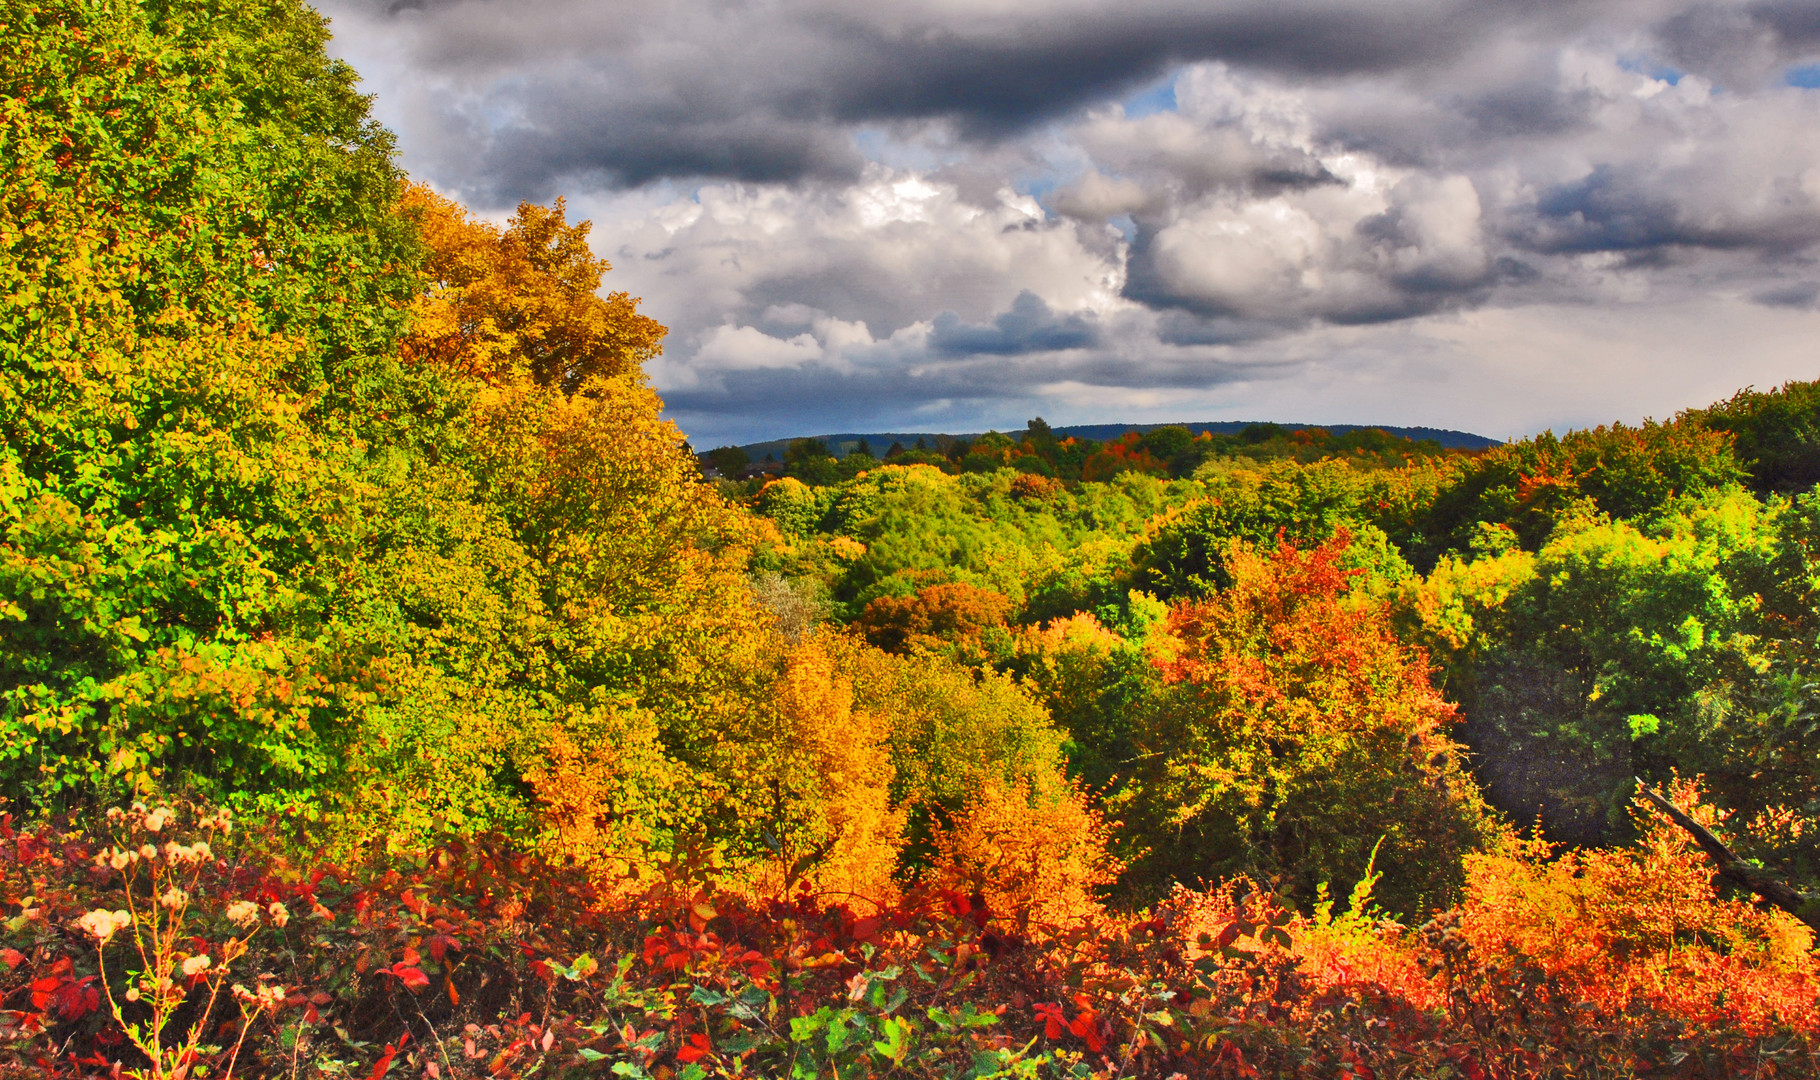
(808, 460)
(729, 461)
(1630, 473)
(202, 280)
(1617, 652)
(1183, 555)
(1777, 434)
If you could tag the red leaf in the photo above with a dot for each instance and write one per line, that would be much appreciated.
(698, 1047)
(384, 1063)
(412, 977)
(1054, 1020)
(12, 957)
(440, 944)
(1085, 1026)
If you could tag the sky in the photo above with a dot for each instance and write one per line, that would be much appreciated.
(1499, 216)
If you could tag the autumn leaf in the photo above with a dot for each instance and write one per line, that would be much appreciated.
(412, 977)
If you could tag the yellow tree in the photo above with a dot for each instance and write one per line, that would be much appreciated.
(521, 301)
(571, 599)
(821, 776)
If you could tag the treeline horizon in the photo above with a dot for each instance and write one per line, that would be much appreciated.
(383, 686)
(840, 445)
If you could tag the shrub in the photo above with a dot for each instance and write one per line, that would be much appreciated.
(1037, 860)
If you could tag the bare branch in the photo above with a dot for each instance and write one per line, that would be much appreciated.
(1735, 870)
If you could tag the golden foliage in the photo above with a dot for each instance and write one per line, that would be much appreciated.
(600, 783)
(1035, 858)
(836, 760)
(952, 729)
(1458, 610)
(1067, 659)
(521, 301)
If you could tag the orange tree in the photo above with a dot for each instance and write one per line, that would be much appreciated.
(520, 301)
(962, 620)
(1292, 733)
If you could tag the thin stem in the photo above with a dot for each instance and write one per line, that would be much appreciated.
(234, 1059)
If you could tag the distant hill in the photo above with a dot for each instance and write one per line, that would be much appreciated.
(843, 444)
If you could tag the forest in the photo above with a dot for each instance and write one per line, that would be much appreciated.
(385, 690)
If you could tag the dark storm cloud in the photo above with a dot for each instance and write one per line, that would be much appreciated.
(624, 94)
(1796, 22)
(1602, 212)
(1187, 328)
(1797, 294)
(1030, 326)
(574, 143)
(1740, 43)
(1528, 109)
(1005, 84)
(1631, 211)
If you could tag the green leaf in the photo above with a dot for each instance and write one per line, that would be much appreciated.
(896, 1041)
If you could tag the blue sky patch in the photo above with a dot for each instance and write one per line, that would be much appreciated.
(1156, 99)
(1655, 69)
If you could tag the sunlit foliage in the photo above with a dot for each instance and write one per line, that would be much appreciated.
(201, 284)
(1012, 755)
(1294, 732)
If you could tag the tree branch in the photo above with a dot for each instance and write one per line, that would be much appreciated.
(1736, 870)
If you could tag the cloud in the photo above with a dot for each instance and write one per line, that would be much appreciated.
(1029, 326)
(538, 93)
(730, 348)
(948, 213)
(1795, 294)
(893, 251)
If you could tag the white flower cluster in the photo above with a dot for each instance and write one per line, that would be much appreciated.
(102, 925)
(173, 853)
(154, 819)
(245, 913)
(138, 816)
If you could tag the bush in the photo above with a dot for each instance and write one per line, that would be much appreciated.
(476, 960)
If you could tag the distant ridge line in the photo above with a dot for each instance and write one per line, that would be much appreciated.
(840, 445)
